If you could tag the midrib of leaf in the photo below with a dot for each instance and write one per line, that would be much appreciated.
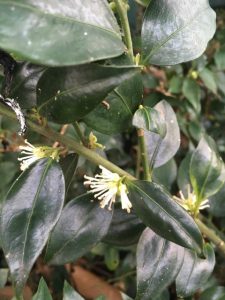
(171, 217)
(76, 89)
(158, 262)
(69, 240)
(43, 176)
(125, 104)
(189, 275)
(175, 33)
(65, 18)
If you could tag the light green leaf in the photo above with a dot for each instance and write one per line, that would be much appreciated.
(149, 119)
(192, 92)
(207, 172)
(209, 80)
(69, 293)
(59, 33)
(176, 31)
(42, 292)
(161, 150)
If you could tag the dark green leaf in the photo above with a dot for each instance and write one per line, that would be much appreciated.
(156, 208)
(116, 114)
(68, 165)
(68, 94)
(30, 211)
(7, 172)
(24, 83)
(70, 294)
(192, 92)
(149, 119)
(81, 226)
(209, 80)
(42, 292)
(161, 150)
(59, 33)
(158, 263)
(207, 172)
(195, 271)
(170, 35)
(125, 229)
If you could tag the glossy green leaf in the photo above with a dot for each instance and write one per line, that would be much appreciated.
(217, 203)
(157, 209)
(69, 293)
(59, 33)
(209, 79)
(68, 94)
(170, 35)
(42, 292)
(125, 229)
(69, 165)
(116, 114)
(195, 271)
(158, 263)
(220, 58)
(192, 92)
(81, 226)
(149, 119)
(161, 150)
(24, 83)
(207, 172)
(30, 211)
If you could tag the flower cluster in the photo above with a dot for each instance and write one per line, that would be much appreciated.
(106, 186)
(33, 154)
(190, 203)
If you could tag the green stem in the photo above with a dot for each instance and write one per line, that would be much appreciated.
(144, 155)
(212, 236)
(70, 143)
(98, 160)
(121, 7)
(79, 133)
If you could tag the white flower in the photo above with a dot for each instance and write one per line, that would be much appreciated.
(33, 154)
(190, 203)
(106, 186)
